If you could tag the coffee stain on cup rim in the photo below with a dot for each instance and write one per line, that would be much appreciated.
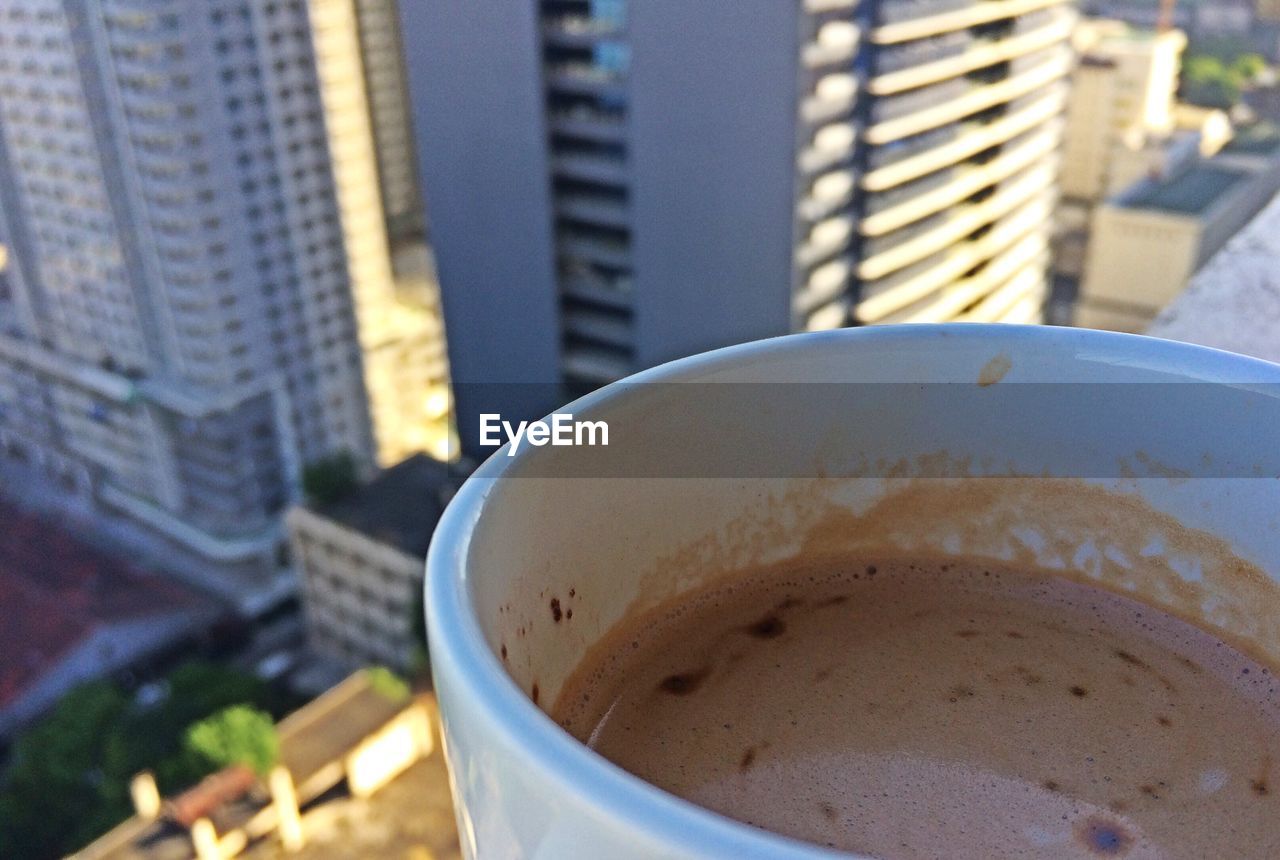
(995, 370)
(1066, 526)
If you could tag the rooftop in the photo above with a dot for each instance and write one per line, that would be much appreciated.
(400, 507)
(57, 592)
(1190, 193)
(1261, 138)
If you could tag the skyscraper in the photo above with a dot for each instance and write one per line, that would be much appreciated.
(400, 336)
(381, 54)
(190, 283)
(614, 184)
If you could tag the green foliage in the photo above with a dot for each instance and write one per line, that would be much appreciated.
(1249, 66)
(1216, 79)
(1208, 81)
(329, 478)
(388, 683)
(51, 798)
(235, 735)
(68, 780)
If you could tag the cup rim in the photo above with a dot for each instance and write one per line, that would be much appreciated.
(456, 638)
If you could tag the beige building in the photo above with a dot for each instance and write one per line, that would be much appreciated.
(361, 562)
(1149, 239)
(401, 340)
(1121, 105)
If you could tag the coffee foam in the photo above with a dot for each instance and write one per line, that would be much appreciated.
(911, 709)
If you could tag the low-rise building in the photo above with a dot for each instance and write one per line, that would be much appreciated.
(361, 562)
(362, 734)
(1149, 239)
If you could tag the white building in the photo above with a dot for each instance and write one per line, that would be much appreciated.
(193, 266)
(362, 559)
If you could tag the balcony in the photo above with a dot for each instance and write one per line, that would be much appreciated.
(600, 326)
(600, 250)
(917, 101)
(878, 246)
(586, 78)
(580, 31)
(827, 239)
(608, 169)
(970, 15)
(884, 299)
(603, 209)
(1020, 300)
(824, 284)
(833, 97)
(967, 143)
(974, 101)
(584, 285)
(892, 11)
(958, 184)
(1018, 65)
(893, 58)
(828, 194)
(832, 145)
(1006, 277)
(956, 224)
(813, 161)
(1033, 20)
(815, 7)
(979, 54)
(589, 123)
(595, 366)
(908, 148)
(827, 317)
(836, 43)
(887, 200)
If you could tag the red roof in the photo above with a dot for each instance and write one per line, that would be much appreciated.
(56, 591)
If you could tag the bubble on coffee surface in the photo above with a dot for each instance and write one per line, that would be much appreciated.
(975, 711)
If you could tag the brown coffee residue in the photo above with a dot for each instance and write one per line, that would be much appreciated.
(1086, 532)
(1104, 837)
(768, 627)
(684, 683)
(995, 369)
(989, 733)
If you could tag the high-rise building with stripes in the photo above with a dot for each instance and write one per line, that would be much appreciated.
(613, 183)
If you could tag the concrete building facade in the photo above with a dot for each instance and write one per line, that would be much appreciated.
(194, 266)
(615, 184)
(362, 559)
(381, 54)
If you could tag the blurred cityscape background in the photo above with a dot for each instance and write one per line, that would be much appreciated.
(264, 262)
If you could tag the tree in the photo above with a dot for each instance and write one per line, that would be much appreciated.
(68, 779)
(329, 478)
(387, 683)
(1208, 81)
(239, 734)
(1249, 66)
(50, 797)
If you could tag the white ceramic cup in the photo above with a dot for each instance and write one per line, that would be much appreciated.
(1187, 439)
